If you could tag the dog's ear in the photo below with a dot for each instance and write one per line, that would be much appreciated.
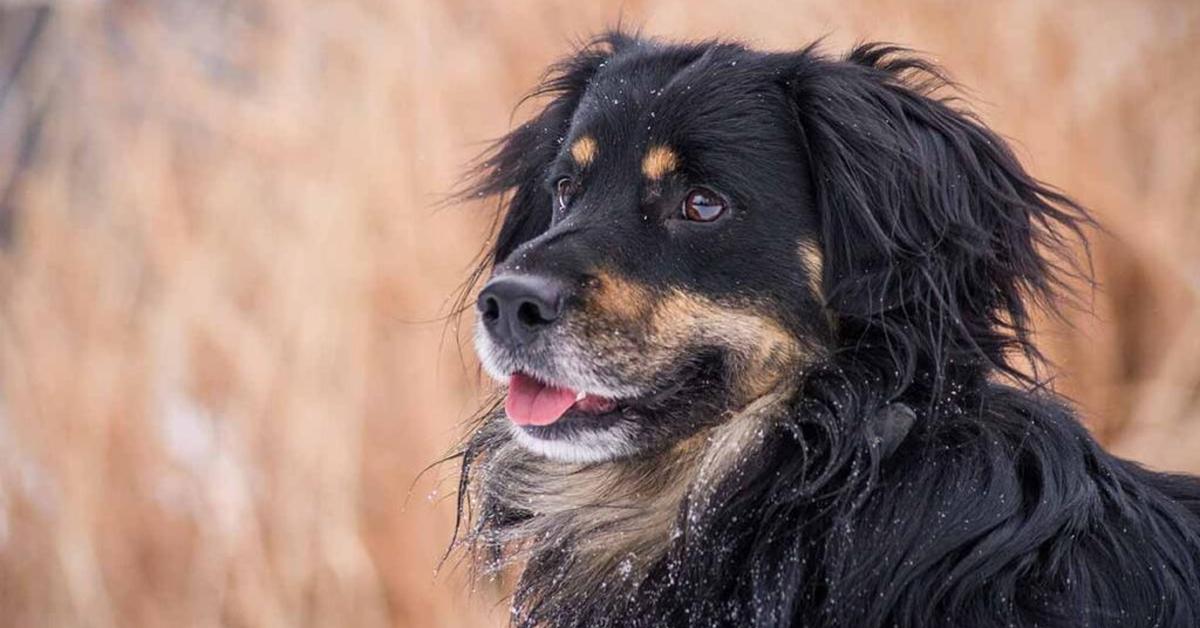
(515, 165)
(935, 239)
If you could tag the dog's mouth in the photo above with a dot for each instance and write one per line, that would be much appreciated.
(533, 403)
(541, 411)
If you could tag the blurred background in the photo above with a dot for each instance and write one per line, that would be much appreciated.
(223, 266)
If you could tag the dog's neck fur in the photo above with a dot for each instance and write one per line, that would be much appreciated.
(612, 518)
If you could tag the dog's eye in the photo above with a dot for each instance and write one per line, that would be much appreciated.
(564, 190)
(703, 205)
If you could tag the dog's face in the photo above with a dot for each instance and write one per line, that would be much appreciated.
(688, 227)
(678, 275)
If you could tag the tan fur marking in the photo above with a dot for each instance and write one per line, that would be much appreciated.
(761, 348)
(584, 150)
(814, 263)
(619, 299)
(641, 333)
(659, 161)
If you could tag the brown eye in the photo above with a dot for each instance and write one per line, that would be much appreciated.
(702, 205)
(564, 190)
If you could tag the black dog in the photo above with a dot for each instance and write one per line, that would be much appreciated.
(763, 318)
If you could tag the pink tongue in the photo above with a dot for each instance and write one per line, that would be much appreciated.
(531, 402)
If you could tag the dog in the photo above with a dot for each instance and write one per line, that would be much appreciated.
(763, 320)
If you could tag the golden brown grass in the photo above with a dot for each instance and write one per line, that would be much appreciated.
(218, 378)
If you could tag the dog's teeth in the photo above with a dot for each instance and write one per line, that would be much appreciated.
(580, 395)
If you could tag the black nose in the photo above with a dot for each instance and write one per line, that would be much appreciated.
(514, 308)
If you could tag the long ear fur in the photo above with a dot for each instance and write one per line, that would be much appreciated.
(935, 238)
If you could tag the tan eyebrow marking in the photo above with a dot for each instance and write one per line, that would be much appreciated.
(659, 160)
(583, 151)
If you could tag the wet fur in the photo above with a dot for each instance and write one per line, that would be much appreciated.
(912, 475)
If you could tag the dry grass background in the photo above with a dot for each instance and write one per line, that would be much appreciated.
(220, 252)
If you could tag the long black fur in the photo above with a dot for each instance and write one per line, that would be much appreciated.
(990, 505)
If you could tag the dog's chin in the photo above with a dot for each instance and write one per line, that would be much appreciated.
(582, 446)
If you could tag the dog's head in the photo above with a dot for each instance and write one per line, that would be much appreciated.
(688, 227)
